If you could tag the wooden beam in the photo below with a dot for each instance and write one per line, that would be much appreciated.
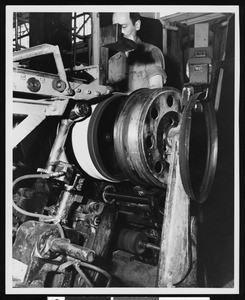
(180, 17)
(95, 38)
(204, 18)
(175, 253)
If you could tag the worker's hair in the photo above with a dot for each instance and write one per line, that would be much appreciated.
(134, 17)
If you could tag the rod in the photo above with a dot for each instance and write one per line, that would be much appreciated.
(126, 198)
(74, 40)
(16, 31)
(63, 245)
(150, 246)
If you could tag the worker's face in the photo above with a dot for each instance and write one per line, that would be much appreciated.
(129, 30)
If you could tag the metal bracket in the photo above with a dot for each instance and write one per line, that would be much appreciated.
(42, 50)
(36, 111)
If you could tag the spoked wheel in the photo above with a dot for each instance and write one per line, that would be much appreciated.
(140, 134)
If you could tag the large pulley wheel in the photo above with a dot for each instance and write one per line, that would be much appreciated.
(140, 134)
(198, 194)
(93, 143)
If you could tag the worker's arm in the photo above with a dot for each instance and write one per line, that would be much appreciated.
(156, 70)
(157, 81)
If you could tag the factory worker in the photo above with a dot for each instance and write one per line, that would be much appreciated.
(142, 67)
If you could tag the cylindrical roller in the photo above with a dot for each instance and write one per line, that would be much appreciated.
(131, 241)
(93, 143)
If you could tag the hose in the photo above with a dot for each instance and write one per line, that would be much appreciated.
(97, 269)
(78, 263)
(85, 278)
(24, 212)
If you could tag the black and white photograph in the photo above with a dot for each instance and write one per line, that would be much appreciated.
(122, 140)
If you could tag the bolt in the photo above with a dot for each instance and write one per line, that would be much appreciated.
(90, 256)
(96, 220)
(78, 90)
(108, 137)
(79, 188)
(70, 91)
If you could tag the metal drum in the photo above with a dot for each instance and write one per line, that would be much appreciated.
(93, 144)
(140, 134)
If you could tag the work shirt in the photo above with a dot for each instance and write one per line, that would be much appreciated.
(130, 73)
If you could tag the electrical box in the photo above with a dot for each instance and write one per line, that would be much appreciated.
(199, 65)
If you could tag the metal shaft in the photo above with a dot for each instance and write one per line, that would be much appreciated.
(63, 245)
(58, 146)
(66, 200)
(127, 198)
(150, 246)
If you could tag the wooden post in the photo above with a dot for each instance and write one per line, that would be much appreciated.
(103, 74)
(201, 38)
(95, 38)
(100, 54)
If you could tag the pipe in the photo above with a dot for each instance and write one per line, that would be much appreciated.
(63, 245)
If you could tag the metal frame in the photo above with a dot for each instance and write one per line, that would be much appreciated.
(42, 50)
(20, 20)
(36, 111)
(56, 101)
